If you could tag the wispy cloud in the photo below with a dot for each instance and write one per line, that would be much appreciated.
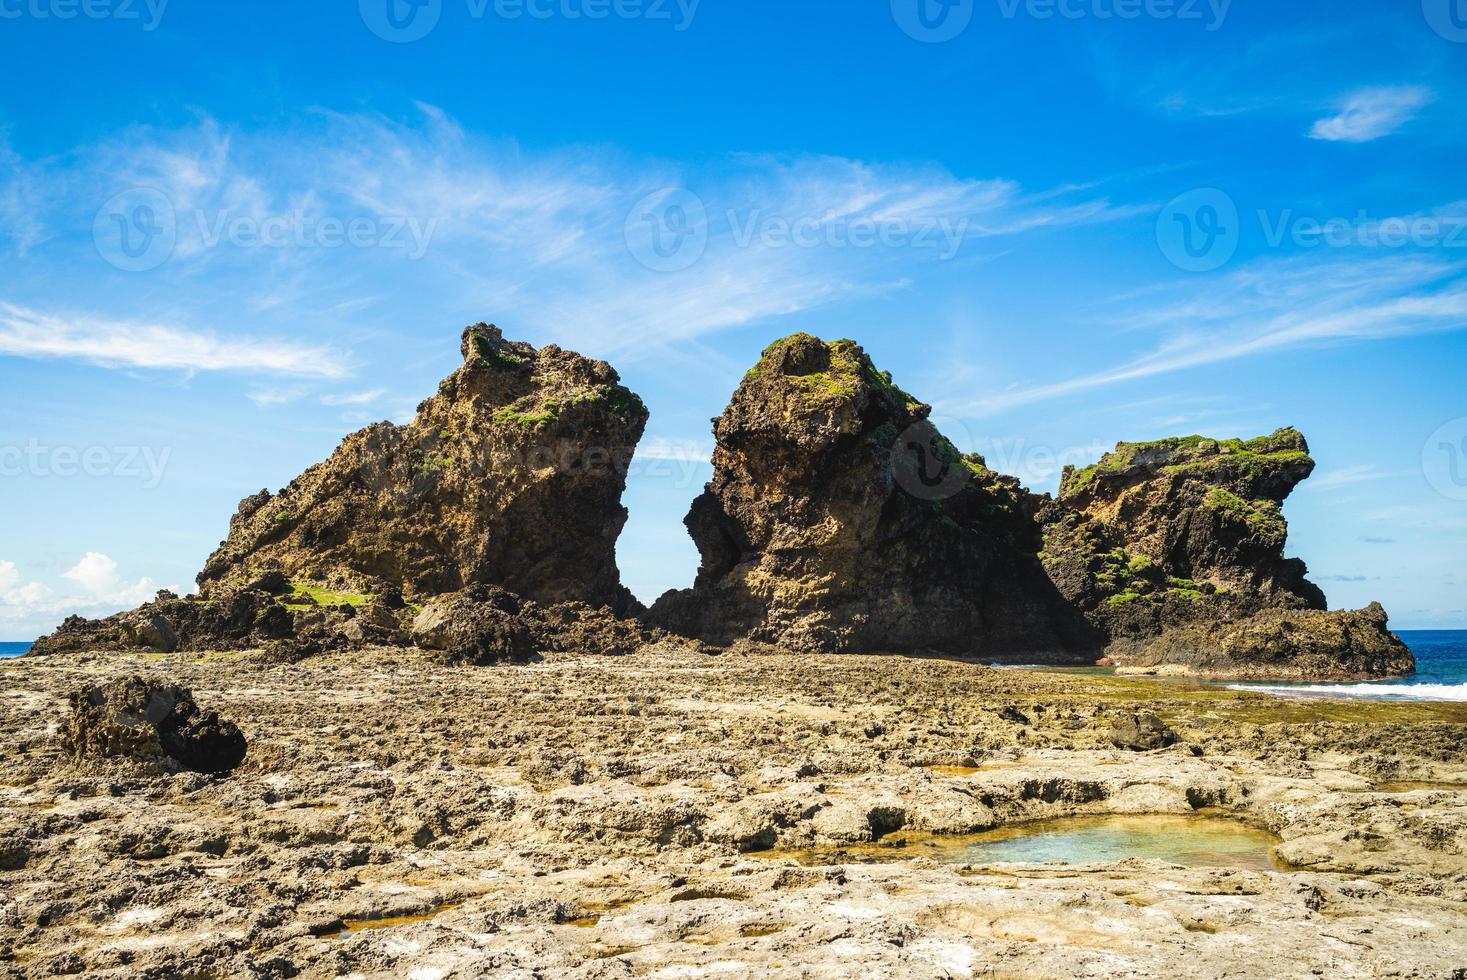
(354, 397)
(675, 450)
(1273, 306)
(1349, 476)
(540, 239)
(1372, 113)
(118, 343)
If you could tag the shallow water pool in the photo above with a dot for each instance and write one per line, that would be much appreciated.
(1191, 840)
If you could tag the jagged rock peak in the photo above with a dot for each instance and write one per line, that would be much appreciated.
(511, 475)
(838, 518)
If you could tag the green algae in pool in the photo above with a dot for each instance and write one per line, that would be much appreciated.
(1193, 840)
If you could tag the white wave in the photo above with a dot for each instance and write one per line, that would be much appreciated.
(1383, 692)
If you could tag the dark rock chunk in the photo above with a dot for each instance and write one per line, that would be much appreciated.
(1141, 732)
(479, 626)
(136, 718)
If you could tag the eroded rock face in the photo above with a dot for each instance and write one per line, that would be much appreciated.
(1281, 644)
(237, 620)
(1174, 550)
(148, 721)
(511, 475)
(839, 519)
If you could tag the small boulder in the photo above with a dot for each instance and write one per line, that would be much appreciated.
(1141, 732)
(137, 718)
(480, 625)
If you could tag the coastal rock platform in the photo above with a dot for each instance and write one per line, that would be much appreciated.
(673, 812)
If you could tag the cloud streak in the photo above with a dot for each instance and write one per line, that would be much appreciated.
(35, 335)
(1372, 113)
(1275, 306)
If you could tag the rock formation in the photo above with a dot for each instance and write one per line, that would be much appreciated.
(511, 475)
(1174, 550)
(839, 519)
(1280, 644)
(146, 721)
(509, 479)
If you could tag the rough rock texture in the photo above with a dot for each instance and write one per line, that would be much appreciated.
(479, 626)
(585, 817)
(511, 475)
(148, 721)
(236, 620)
(1162, 542)
(1281, 644)
(839, 519)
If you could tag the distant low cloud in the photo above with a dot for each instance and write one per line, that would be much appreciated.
(354, 398)
(98, 575)
(1369, 540)
(1372, 113)
(35, 335)
(1342, 578)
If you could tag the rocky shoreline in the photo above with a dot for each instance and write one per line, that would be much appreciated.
(624, 816)
(839, 520)
(413, 724)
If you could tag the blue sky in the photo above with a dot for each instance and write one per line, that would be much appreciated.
(232, 233)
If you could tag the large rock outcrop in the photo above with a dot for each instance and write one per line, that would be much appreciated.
(839, 519)
(509, 479)
(1280, 644)
(1174, 551)
(150, 722)
(511, 475)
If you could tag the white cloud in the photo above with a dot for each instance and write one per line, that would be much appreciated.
(118, 343)
(270, 397)
(675, 450)
(1372, 113)
(97, 574)
(1274, 306)
(539, 239)
(354, 398)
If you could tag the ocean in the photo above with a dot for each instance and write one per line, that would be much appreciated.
(1441, 673)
